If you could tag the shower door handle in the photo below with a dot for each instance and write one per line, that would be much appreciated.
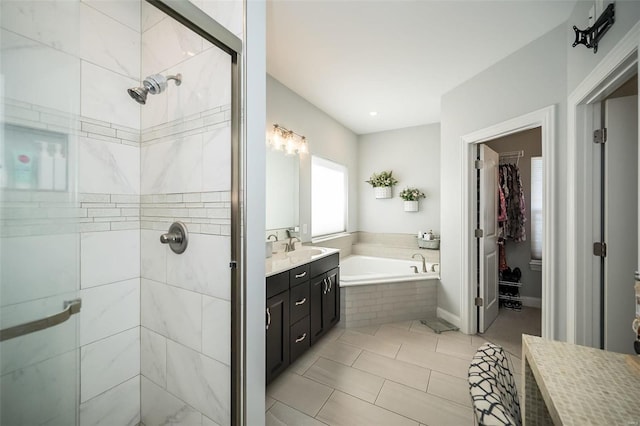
(71, 307)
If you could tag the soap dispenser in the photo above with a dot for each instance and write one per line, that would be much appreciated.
(429, 235)
(59, 170)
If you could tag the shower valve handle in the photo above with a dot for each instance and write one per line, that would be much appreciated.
(171, 237)
(177, 237)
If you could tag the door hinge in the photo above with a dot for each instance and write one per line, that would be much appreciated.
(600, 249)
(600, 135)
(478, 233)
(478, 164)
(478, 301)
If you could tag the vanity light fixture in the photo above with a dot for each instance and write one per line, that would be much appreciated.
(283, 139)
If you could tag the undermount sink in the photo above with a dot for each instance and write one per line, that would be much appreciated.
(281, 261)
(306, 252)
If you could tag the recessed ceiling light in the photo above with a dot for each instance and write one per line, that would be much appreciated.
(373, 113)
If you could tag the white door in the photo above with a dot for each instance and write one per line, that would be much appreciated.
(488, 243)
(621, 221)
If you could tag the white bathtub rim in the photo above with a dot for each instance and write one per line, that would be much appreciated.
(386, 278)
(360, 281)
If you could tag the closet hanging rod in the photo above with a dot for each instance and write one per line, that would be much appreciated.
(512, 154)
(509, 157)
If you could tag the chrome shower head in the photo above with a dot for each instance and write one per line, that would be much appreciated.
(153, 84)
(139, 94)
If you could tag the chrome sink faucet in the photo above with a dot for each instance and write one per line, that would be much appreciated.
(291, 245)
(424, 264)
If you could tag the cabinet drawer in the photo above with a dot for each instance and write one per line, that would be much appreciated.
(299, 302)
(277, 284)
(323, 265)
(299, 336)
(298, 275)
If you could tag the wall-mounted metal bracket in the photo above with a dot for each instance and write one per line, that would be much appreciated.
(591, 36)
(177, 237)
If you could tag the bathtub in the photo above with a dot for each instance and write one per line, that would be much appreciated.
(375, 290)
(364, 270)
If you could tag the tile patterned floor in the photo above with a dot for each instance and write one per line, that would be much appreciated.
(392, 374)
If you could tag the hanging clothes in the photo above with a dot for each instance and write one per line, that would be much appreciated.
(511, 197)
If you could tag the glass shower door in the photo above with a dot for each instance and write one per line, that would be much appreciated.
(39, 215)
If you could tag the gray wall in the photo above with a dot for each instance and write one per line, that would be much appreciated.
(542, 73)
(580, 60)
(413, 154)
(530, 79)
(327, 139)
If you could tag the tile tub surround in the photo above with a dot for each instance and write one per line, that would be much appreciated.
(412, 375)
(374, 304)
(395, 246)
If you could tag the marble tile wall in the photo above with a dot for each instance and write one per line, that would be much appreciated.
(67, 66)
(185, 176)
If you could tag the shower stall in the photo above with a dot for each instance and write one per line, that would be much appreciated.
(101, 322)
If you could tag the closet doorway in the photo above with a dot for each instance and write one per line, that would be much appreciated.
(510, 197)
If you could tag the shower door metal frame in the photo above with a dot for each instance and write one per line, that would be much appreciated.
(202, 24)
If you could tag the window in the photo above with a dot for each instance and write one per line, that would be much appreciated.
(328, 197)
(536, 210)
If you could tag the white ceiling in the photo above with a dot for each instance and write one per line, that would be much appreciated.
(395, 57)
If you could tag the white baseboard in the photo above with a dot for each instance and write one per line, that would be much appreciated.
(448, 316)
(532, 302)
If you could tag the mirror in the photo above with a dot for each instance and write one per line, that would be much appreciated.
(282, 190)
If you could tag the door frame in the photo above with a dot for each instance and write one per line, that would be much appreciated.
(617, 66)
(546, 119)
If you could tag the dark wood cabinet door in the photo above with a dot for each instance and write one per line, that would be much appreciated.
(331, 304)
(317, 288)
(277, 334)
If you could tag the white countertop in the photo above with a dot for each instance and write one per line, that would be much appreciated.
(280, 262)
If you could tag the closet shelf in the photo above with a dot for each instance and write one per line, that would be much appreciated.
(510, 283)
(505, 297)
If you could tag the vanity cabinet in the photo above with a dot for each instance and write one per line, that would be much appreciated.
(302, 304)
(277, 325)
(325, 303)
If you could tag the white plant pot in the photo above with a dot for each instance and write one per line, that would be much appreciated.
(382, 191)
(411, 206)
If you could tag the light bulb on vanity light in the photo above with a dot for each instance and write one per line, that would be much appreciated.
(277, 141)
(304, 146)
(290, 146)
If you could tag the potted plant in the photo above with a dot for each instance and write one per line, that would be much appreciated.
(382, 183)
(411, 197)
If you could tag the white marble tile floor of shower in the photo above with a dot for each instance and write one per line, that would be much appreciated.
(393, 374)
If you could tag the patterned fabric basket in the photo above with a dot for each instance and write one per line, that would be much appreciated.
(493, 390)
